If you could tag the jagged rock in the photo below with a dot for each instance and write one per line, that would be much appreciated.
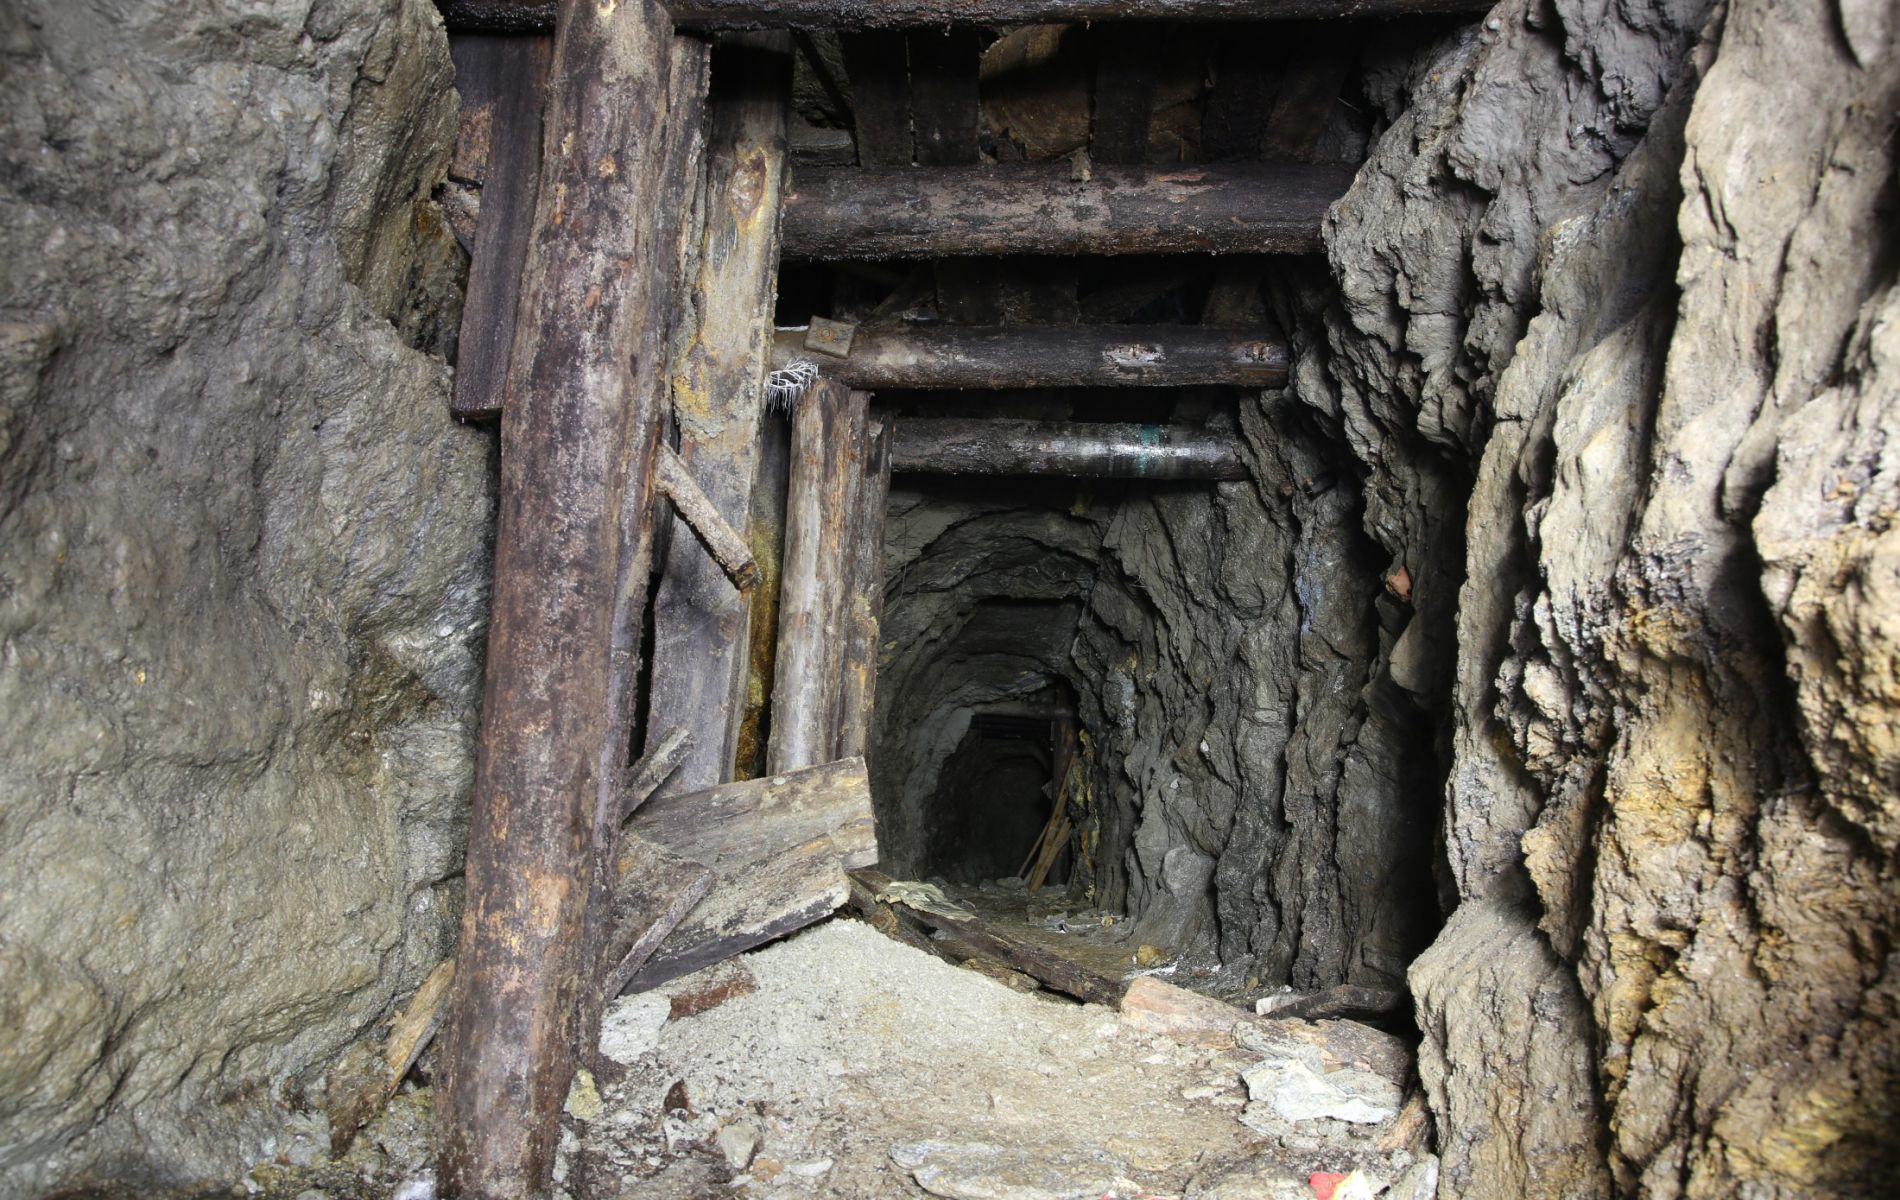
(1301, 1089)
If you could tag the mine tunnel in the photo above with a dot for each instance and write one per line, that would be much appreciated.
(769, 599)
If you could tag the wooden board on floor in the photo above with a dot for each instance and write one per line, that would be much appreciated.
(778, 848)
(1051, 970)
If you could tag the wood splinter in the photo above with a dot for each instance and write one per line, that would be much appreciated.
(653, 769)
(697, 509)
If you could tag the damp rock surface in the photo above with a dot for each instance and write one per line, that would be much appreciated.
(242, 569)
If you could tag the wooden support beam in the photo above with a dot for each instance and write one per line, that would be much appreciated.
(864, 598)
(1045, 966)
(778, 848)
(827, 455)
(577, 443)
(508, 77)
(719, 362)
(657, 888)
(969, 358)
(1040, 208)
(527, 16)
(957, 446)
(699, 512)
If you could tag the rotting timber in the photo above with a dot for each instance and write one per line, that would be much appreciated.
(578, 439)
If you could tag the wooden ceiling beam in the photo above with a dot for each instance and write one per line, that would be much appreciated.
(1084, 450)
(528, 16)
(966, 358)
(1041, 208)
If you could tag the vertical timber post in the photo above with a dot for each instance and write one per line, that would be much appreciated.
(579, 430)
(864, 597)
(722, 352)
(827, 456)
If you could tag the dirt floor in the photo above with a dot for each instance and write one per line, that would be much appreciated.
(841, 1062)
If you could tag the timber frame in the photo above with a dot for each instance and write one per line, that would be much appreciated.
(645, 483)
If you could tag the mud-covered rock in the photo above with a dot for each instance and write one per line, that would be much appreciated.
(242, 568)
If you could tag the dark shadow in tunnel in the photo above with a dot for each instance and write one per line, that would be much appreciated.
(994, 795)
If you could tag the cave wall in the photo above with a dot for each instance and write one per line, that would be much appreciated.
(1633, 268)
(243, 567)
(1275, 789)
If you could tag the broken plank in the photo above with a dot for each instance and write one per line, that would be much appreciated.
(1096, 450)
(577, 441)
(656, 890)
(1042, 208)
(779, 848)
(699, 512)
(1049, 969)
(957, 357)
(506, 76)
(654, 768)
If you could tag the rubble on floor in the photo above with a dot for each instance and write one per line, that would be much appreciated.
(844, 1063)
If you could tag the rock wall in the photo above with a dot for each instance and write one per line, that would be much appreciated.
(1633, 267)
(242, 567)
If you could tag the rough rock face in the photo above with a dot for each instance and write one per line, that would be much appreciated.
(242, 566)
(1220, 644)
(1635, 266)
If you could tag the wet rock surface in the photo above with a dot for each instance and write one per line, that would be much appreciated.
(242, 568)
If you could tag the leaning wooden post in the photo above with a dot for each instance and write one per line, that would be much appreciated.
(827, 455)
(578, 436)
(720, 359)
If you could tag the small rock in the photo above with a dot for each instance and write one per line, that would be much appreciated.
(422, 1187)
(631, 1028)
(583, 1098)
(809, 1170)
(738, 1142)
(1299, 1089)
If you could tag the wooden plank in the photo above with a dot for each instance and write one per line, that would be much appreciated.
(720, 358)
(894, 14)
(1028, 356)
(577, 441)
(827, 453)
(527, 16)
(1000, 446)
(779, 848)
(864, 600)
(880, 96)
(506, 77)
(657, 888)
(1049, 969)
(1041, 208)
(655, 767)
